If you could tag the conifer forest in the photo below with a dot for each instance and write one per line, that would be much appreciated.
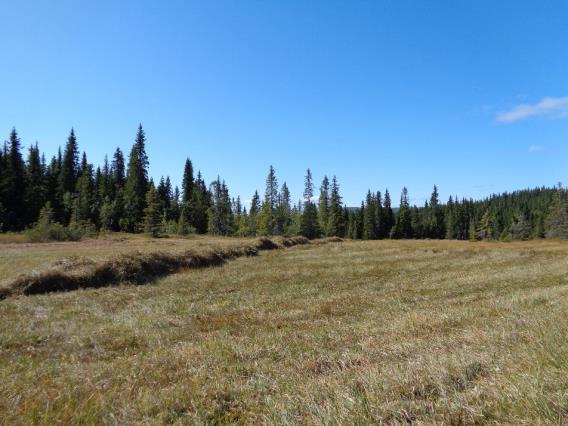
(66, 196)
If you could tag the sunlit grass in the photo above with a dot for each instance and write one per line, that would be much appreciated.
(353, 332)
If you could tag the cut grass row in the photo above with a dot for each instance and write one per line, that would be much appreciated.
(133, 268)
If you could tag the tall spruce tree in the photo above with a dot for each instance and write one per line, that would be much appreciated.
(35, 184)
(200, 204)
(254, 212)
(436, 222)
(336, 219)
(220, 212)
(267, 221)
(70, 165)
(118, 169)
(369, 225)
(403, 225)
(284, 211)
(309, 224)
(379, 217)
(323, 207)
(152, 214)
(136, 185)
(83, 208)
(187, 182)
(14, 185)
(389, 219)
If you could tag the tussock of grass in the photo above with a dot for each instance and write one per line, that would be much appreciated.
(137, 268)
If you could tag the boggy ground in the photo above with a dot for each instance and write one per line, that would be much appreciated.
(352, 332)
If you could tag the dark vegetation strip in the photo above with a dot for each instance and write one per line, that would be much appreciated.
(139, 268)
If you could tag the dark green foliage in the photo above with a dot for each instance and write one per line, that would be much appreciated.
(13, 185)
(220, 212)
(435, 226)
(557, 223)
(187, 182)
(70, 165)
(284, 212)
(388, 216)
(486, 229)
(323, 207)
(254, 212)
(336, 219)
(47, 229)
(199, 206)
(136, 184)
(521, 228)
(84, 203)
(117, 170)
(309, 223)
(267, 223)
(369, 218)
(109, 198)
(403, 225)
(35, 184)
(152, 214)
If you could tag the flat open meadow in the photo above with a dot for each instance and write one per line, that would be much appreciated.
(338, 333)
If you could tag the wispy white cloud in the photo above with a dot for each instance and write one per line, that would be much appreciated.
(536, 148)
(547, 107)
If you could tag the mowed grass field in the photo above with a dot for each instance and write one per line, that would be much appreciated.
(339, 333)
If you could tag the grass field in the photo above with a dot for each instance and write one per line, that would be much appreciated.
(338, 333)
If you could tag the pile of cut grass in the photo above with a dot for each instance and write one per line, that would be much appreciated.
(133, 268)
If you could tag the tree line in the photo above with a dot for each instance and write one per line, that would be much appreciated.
(70, 192)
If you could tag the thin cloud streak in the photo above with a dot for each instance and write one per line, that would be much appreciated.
(536, 148)
(547, 107)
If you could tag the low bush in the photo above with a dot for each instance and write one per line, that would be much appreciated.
(42, 233)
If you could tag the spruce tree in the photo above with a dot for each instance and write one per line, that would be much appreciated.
(83, 209)
(35, 184)
(403, 226)
(557, 221)
(118, 170)
(220, 212)
(83, 164)
(200, 204)
(485, 229)
(136, 185)
(254, 212)
(284, 211)
(521, 227)
(268, 224)
(152, 215)
(323, 207)
(436, 228)
(14, 185)
(450, 220)
(309, 223)
(379, 217)
(70, 166)
(369, 225)
(187, 182)
(388, 215)
(336, 219)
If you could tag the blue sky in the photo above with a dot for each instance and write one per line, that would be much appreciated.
(469, 95)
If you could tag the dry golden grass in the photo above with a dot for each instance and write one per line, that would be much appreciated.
(22, 257)
(353, 332)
